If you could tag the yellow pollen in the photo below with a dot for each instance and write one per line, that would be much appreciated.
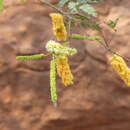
(63, 70)
(59, 29)
(121, 68)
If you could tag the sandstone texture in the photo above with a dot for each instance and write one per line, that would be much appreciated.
(98, 100)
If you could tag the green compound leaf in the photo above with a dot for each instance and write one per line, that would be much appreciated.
(1, 5)
(32, 57)
(88, 9)
(78, 36)
(62, 2)
(53, 88)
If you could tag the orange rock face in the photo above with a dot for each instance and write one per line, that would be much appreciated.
(98, 100)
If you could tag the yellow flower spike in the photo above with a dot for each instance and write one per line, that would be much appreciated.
(121, 68)
(59, 29)
(63, 70)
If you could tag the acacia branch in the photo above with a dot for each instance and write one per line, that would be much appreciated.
(104, 43)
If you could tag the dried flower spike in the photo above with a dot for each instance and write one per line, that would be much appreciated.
(59, 29)
(121, 68)
(63, 70)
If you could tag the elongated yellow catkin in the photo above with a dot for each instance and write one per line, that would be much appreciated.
(63, 70)
(121, 68)
(59, 29)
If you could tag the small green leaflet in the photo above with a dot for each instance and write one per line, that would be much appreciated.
(1, 5)
(62, 2)
(88, 9)
(94, 26)
(112, 23)
(72, 6)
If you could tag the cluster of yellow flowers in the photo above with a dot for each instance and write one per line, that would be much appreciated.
(59, 29)
(60, 55)
(61, 52)
(121, 68)
(63, 70)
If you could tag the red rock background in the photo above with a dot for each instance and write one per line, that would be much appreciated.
(98, 100)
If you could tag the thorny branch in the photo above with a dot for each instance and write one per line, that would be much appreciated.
(104, 43)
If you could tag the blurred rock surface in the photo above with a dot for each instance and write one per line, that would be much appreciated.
(98, 100)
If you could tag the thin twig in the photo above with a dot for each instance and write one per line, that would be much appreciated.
(106, 45)
(104, 38)
(113, 36)
(113, 52)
